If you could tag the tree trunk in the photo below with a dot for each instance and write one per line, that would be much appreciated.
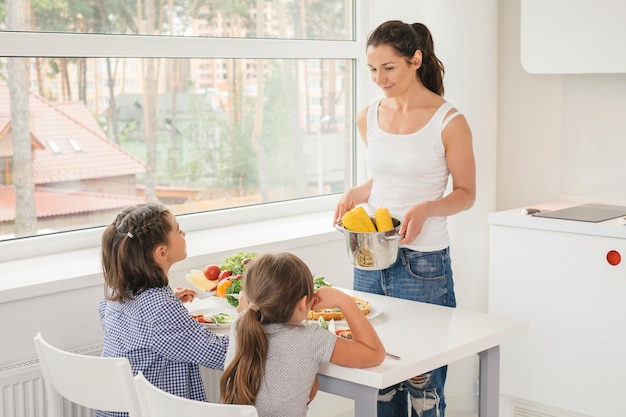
(150, 98)
(17, 13)
(173, 73)
(259, 151)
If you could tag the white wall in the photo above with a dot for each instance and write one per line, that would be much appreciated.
(559, 136)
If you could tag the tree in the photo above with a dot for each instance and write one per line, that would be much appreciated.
(257, 145)
(17, 18)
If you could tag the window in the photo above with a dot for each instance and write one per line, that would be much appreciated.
(196, 121)
(289, 19)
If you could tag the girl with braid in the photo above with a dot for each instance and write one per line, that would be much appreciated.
(145, 320)
(274, 355)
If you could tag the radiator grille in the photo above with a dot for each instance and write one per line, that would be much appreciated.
(23, 392)
(527, 409)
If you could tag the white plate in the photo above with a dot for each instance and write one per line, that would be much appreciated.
(230, 318)
(374, 312)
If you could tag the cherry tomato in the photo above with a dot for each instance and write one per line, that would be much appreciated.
(212, 272)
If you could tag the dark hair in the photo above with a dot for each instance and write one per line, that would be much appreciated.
(405, 39)
(273, 285)
(127, 251)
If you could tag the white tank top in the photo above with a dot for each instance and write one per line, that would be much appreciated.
(409, 169)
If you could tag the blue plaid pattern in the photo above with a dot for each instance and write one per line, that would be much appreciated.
(160, 338)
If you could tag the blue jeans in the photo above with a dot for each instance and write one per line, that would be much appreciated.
(418, 276)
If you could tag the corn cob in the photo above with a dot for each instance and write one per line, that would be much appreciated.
(383, 219)
(357, 220)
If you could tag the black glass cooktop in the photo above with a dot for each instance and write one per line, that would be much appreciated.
(593, 213)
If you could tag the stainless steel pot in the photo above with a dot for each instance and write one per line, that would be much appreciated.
(373, 250)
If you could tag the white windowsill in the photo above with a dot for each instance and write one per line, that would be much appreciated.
(64, 271)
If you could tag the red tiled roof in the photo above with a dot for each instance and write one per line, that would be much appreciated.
(98, 157)
(50, 202)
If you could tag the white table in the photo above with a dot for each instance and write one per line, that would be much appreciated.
(426, 337)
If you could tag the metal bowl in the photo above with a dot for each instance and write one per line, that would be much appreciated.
(372, 250)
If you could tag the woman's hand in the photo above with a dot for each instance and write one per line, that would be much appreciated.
(413, 222)
(351, 198)
(185, 294)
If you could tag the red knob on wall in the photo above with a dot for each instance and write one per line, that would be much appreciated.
(613, 257)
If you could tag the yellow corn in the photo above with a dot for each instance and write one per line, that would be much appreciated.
(383, 219)
(357, 220)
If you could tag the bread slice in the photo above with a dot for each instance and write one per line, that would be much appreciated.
(336, 314)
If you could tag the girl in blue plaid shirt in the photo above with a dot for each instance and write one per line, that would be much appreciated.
(142, 317)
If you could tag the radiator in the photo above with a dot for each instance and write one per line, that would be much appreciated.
(23, 392)
(522, 408)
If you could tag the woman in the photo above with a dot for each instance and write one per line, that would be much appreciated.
(415, 140)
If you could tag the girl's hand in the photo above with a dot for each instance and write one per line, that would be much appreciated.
(243, 302)
(329, 297)
(185, 294)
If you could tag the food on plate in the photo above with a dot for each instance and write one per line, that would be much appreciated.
(224, 274)
(199, 280)
(236, 264)
(344, 333)
(235, 288)
(211, 272)
(383, 219)
(222, 286)
(319, 282)
(336, 314)
(357, 220)
(216, 319)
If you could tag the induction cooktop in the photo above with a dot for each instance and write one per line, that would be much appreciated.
(593, 213)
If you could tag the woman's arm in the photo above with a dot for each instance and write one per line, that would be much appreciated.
(351, 198)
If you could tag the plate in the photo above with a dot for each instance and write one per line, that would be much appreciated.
(229, 317)
(374, 312)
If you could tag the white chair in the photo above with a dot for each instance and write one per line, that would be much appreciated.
(158, 403)
(90, 381)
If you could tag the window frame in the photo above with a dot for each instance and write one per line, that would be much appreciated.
(48, 44)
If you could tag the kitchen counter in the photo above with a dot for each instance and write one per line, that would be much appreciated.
(517, 218)
(567, 279)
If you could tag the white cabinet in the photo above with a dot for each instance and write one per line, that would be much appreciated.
(574, 357)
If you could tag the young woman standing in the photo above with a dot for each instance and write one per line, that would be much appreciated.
(415, 141)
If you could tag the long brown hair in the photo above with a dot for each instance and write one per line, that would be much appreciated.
(405, 39)
(273, 284)
(127, 251)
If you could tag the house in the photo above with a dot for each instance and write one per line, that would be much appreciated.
(76, 168)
